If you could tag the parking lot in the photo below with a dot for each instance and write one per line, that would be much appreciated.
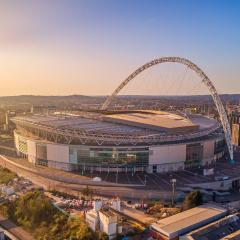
(143, 180)
(162, 181)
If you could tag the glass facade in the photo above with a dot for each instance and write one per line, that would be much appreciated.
(219, 146)
(109, 156)
(22, 143)
(41, 155)
(194, 155)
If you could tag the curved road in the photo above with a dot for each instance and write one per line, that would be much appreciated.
(40, 176)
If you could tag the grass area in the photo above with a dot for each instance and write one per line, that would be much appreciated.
(36, 214)
(6, 176)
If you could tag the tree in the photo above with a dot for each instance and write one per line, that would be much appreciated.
(193, 199)
(86, 191)
(78, 229)
(34, 208)
(35, 212)
(102, 236)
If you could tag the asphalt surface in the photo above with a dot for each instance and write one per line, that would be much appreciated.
(139, 185)
(18, 232)
(40, 177)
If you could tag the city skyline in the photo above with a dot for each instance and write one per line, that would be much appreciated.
(89, 47)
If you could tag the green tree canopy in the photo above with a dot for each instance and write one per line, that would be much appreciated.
(35, 212)
(86, 191)
(193, 199)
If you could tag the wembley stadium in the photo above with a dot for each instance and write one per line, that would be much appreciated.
(129, 141)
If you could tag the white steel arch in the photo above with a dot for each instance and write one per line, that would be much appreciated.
(205, 80)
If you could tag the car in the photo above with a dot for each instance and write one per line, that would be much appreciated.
(221, 178)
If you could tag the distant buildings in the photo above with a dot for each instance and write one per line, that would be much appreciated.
(7, 125)
(234, 117)
(233, 112)
(41, 109)
(236, 134)
(234, 120)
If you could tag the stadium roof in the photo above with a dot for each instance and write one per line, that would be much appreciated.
(156, 120)
(101, 128)
(134, 122)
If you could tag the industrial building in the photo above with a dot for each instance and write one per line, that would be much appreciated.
(127, 141)
(172, 228)
(227, 228)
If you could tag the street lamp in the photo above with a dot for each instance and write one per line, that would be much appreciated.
(145, 179)
(173, 181)
(117, 175)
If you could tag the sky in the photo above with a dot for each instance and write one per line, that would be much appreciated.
(63, 47)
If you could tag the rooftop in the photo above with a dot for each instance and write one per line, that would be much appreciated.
(233, 236)
(134, 122)
(225, 228)
(171, 226)
(156, 120)
(135, 127)
(107, 212)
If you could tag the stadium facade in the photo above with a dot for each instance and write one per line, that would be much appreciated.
(130, 141)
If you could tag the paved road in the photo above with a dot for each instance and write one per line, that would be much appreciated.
(18, 232)
(138, 215)
(39, 178)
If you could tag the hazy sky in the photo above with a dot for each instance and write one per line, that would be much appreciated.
(88, 47)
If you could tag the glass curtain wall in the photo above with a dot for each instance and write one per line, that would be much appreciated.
(109, 157)
(194, 155)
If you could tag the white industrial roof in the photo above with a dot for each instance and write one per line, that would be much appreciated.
(171, 226)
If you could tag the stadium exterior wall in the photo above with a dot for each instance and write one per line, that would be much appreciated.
(208, 151)
(167, 157)
(31, 148)
(161, 158)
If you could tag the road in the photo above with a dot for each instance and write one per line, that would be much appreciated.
(46, 178)
(138, 215)
(18, 232)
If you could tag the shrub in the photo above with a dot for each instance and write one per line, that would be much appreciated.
(193, 199)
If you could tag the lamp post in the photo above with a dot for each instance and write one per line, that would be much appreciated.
(173, 181)
(145, 179)
(117, 175)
